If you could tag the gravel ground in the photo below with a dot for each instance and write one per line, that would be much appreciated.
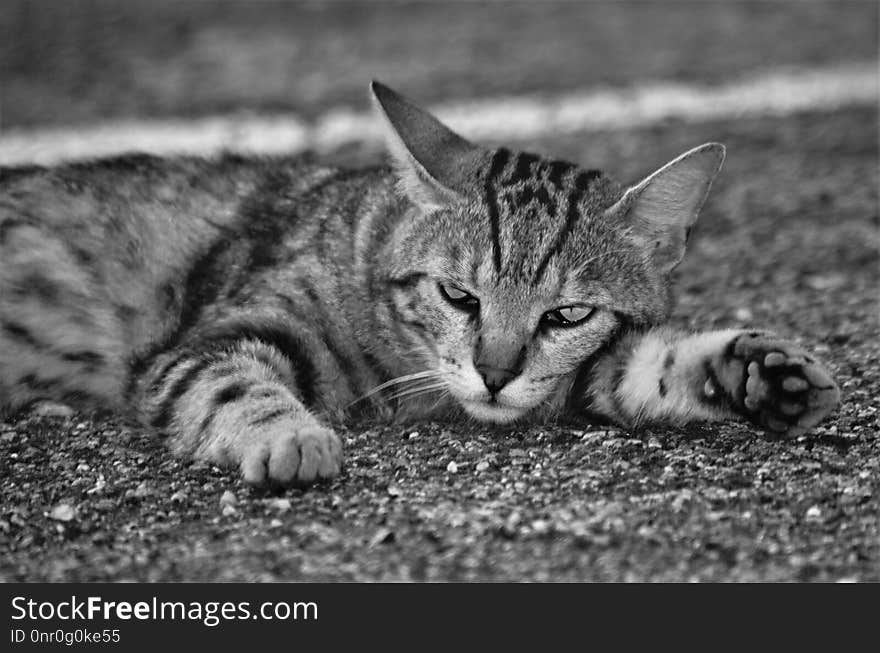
(789, 241)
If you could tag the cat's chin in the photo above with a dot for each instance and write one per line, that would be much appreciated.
(494, 412)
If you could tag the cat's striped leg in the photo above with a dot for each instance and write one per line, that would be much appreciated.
(240, 404)
(664, 376)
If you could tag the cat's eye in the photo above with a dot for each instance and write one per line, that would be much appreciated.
(459, 298)
(566, 316)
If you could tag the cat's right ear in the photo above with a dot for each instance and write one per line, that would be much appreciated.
(430, 160)
(661, 210)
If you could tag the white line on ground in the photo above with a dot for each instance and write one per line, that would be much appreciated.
(774, 93)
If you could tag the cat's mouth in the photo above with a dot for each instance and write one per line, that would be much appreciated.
(492, 411)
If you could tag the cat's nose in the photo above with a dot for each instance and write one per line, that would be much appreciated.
(495, 378)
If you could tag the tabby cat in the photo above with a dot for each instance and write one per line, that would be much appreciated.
(242, 307)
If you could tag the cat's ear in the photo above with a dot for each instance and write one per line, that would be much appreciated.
(661, 210)
(431, 161)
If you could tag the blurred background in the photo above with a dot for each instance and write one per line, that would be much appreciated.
(81, 61)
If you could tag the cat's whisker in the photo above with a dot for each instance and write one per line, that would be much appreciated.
(442, 396)
(416, 390)
(407, 378)
(412, 392)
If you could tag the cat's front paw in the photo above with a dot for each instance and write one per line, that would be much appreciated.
(774, 383)
(286, 453)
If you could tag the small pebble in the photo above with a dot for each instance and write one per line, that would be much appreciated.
(381, 536)
(825, 281)
(53, 409)
(62, 512)
(228, 499)
(814, 512)
(540, 526)
(228, 510)
(482, 466)
(280, 504)
(452, 467)
(413, 435)
(100, 484)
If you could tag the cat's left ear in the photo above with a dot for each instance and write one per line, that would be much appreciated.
(662, 209)
(431, 161)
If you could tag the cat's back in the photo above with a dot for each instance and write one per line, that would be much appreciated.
(136, 215)
(136, 192)
(95, 256)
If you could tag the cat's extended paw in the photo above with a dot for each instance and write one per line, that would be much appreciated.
(775, 383)
(286, 453)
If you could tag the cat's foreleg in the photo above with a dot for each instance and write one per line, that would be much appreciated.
(239, 405)
(664, 376)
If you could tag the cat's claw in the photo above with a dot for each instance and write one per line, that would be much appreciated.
(781, 387)
(286, 455)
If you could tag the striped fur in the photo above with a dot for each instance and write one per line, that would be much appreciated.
(243, 307)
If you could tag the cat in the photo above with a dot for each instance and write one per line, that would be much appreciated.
(243, 307)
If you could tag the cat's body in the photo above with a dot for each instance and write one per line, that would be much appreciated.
(244, 306)
(150, 253)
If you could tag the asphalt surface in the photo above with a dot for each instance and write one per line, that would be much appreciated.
(788, 241)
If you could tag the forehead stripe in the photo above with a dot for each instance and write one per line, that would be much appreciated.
(499, 160)
(542, 196)
(523, 169)
(582, 184)
(585, 178)
(558, 170)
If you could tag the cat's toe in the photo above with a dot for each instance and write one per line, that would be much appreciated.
(291, 456)
(324, 455)
(287, 461)
(821, 396)
(797, 399)
(768, 349)
(794, 384)
(305, 456)
(330, 463)
(253, 465)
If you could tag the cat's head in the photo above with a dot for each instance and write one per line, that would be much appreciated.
(512, 269)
